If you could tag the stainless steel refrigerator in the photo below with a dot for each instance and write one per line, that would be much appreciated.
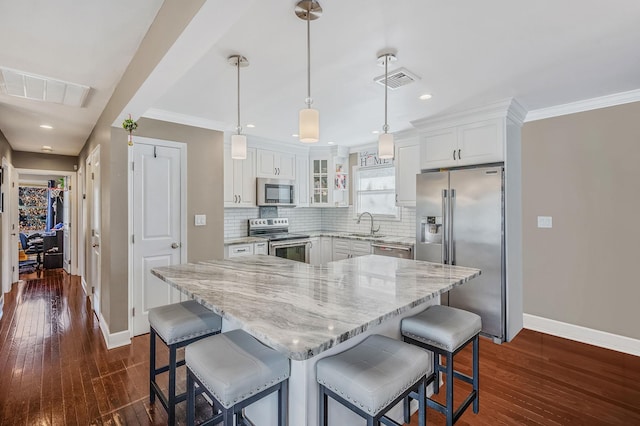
(460, 221)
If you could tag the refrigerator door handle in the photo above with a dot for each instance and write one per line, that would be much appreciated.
(445, 241)
(451, 255)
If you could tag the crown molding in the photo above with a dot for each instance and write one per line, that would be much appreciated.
(187, 120)
(584, 105)
(506, 108)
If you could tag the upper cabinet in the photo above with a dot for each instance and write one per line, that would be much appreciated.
(407, 164)
(273, 164)
(303, 199)
(239, 179)
(329, 172)
(475, 143)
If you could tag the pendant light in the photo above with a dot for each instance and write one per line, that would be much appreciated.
(238, 141)
(309, 118)
(385, 140)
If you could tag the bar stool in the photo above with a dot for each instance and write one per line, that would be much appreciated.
(445, 331)
(372, 377)
(235, 370)
(177, 325)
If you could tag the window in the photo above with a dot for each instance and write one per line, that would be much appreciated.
(375, 191)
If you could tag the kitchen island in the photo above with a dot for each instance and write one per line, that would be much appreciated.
(307, 312)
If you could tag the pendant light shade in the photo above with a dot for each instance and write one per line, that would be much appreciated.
(385, 146)
(385, 140)
(238, 141)
(239, 147)
(309, 125)
(309, 118)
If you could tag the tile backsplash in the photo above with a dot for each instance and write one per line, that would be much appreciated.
(303, 219)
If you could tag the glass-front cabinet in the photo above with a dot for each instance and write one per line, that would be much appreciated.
(330, 177)
(320, 181)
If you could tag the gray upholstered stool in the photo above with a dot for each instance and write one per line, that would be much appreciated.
(235, 370)
(372, 377)
(445, 331)
(177, 325)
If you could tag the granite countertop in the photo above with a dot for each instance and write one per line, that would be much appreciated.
(389, 239)
(301, 309)
(244, 240)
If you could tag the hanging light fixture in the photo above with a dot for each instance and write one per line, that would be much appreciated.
(385, 140)
(238, 141)
(309, 118)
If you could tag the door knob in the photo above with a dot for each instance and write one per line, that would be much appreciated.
(95, 245)
(175, 245)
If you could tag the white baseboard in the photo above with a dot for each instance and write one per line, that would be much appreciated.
(1, 305)
(114, 340)
(84, 286)
(583, 334)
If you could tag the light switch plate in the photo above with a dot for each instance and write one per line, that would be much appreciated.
(201, 219)
(545, 222)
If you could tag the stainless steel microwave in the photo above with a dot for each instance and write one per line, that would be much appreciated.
(275, 192)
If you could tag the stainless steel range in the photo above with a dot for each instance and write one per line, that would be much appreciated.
(282, 243)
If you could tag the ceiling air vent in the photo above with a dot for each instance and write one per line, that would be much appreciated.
(39, 88)
(398, 78)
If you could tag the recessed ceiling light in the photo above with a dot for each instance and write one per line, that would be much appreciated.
(46, 126)
(375, 132)
(330, 143)
(251, 126)
(47, 148)
(425, 96)
(295, 135)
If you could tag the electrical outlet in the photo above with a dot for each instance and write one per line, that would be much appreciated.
(545, 222)
(201, 220)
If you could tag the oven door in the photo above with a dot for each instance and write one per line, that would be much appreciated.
(292, 249)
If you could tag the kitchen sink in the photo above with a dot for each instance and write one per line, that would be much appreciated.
(355, 234)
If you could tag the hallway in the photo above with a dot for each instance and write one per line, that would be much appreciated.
(54, 366)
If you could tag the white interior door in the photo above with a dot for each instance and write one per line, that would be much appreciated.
(95, 236)
(157, 224)
(81, 231)
(66, 220)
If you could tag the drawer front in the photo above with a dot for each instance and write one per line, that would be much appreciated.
(341, 244)
(361, 247)
(240, 250)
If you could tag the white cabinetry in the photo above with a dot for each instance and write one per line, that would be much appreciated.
(345, 248)
(321, 250)
(466, 144)
(273, 164)
(303, 199)
(237, 250)
(407, 163)
(261, 248)
(330, 177)
(239, 179)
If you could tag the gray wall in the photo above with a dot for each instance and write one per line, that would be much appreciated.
(39, 161)
(583, 170)
(171, 20)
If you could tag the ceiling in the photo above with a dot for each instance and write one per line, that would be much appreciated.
(465, 53)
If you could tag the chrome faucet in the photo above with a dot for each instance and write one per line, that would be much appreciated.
(372, 231)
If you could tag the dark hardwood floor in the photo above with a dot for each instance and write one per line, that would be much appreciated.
(55, 369)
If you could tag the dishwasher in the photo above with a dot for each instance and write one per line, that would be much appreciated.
(393, 250)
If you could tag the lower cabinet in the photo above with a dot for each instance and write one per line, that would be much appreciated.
(345, 248)
(321, 251)
(245, 249)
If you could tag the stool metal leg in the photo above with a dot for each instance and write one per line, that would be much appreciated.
(152, 364)
(322, 407)
(436, 370)
(171, 409)
(191, 399)
(449, 406)
(476, 373)
(422, 406)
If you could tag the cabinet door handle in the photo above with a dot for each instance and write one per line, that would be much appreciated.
(239, 198)
(454, 154)
(235, 198)
(459, 156)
